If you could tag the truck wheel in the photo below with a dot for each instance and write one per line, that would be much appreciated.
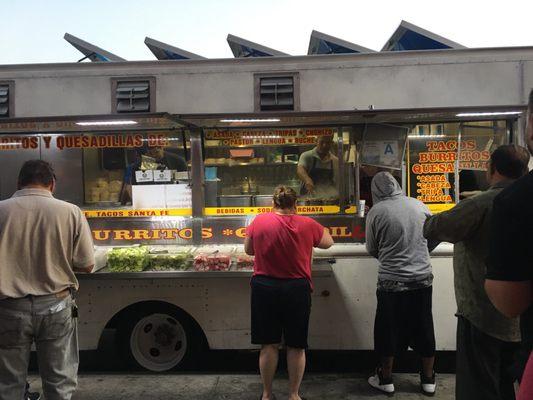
(158, 339)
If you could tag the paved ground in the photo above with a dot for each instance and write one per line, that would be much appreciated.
(242, 387)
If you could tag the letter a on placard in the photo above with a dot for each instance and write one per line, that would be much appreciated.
(388, 149)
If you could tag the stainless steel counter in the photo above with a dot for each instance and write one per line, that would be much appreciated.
(348, 250)
(320, 270)
(322, 265)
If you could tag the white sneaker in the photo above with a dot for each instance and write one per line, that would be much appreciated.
(428, 385)
(383, 385)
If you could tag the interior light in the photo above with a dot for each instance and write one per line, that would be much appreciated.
(426, 136)
(106, 123)
(488, 114)
(252, 120)
(263, 137)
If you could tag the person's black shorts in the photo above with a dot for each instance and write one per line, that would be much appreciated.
(280, 308)
(404, 319)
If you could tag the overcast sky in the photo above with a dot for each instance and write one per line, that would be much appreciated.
(31, 31)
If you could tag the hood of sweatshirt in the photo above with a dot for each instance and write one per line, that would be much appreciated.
(384, 186)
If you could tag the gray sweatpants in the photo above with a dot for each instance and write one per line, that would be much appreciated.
(48, 322)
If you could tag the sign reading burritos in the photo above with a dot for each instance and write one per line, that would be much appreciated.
(215, 231)
(470, 155)
(432, 166)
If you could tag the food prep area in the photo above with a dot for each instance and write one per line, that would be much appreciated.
(166, 258)
(173, 258)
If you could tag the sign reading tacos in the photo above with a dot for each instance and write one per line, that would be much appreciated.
(433, 163)
(446, 151)
(431, 175)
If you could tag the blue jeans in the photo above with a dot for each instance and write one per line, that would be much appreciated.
(47, 322)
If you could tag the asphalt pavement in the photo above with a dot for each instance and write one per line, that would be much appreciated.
(234, 375)
(243, 387)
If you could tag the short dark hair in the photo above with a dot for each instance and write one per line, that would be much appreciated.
(285, 197)
(510, 161)
(36, 172)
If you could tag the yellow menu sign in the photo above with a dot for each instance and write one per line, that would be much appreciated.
(208, 211)
(440, 207)
(129, 213)
(309, 210)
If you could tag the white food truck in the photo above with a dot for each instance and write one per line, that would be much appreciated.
(169, 191)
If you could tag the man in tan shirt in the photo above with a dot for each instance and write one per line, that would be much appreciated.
(43, 242)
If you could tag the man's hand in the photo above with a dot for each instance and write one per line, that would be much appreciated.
(84, 270)
(466, 195)
(309, 185)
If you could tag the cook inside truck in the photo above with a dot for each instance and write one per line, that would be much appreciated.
(317, 168)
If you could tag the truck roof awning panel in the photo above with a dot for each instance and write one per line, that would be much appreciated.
(90, 51)
(411, 37)
(164, 51)
(320, 43)
(245, 48)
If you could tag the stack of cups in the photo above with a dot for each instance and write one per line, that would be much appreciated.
(361, 209)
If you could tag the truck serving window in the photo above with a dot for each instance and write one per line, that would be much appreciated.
(141, 170)
(243, 167)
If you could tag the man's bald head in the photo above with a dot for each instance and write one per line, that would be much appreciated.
(323, 145)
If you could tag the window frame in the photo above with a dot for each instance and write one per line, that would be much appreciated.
(295, 92)
(151, 92)
(10, 98)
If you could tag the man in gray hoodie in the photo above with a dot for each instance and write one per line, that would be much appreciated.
(394, 235)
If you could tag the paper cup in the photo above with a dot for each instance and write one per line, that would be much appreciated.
(361, 208)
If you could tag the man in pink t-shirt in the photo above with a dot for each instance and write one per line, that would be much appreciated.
(282, 243)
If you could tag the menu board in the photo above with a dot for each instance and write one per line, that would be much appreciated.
(264, 137)
(84, 141)
(474, 152)
(431, 175)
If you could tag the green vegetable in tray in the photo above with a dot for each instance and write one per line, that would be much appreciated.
(170, 262)
(128, 259)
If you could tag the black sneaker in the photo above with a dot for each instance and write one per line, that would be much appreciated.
(32, 396)
(428, 385)
(383, 385)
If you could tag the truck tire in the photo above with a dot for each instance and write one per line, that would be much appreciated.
(159, 338)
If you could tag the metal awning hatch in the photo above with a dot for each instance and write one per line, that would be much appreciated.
(320, 43)
(411, 37)
(90, 51)
(245, 48)
(164, 51)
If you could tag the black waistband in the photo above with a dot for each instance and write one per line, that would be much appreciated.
(279, 282)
